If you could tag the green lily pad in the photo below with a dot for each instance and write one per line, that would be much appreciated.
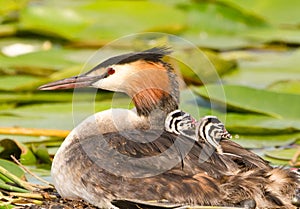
(44, 62)
(281, 154)
(283, 35)
(286, 86)
(261, 69)
(205, 16)
(11, 83)
(17, 149)
(276, 162)
(242, 124)
(60, 116)
(241, 98)
(260, 124)
(212, 66)
(220, 25)
(223, 42)
(265, 141)
(9, 147)
(275, 11)
(100, 20)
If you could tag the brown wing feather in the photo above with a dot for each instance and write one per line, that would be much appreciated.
(145, 165)
(116, 167)
(247, 160)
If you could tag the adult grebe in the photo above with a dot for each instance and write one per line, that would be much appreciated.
(131, 157)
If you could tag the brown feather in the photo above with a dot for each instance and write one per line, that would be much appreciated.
(117, 166)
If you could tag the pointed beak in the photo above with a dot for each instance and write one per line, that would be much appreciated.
(194, 122)
(226, 134)
(72, 82)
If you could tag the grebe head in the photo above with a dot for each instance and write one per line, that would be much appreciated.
(149, 81)
(211, 130)
(178, 122)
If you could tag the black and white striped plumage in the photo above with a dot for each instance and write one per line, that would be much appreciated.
(178, 122)
(212, 130)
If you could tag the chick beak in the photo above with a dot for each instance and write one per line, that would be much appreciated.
(72, 82)
(194, 122)
(226, 134)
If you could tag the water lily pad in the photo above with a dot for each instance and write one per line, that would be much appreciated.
(254, 125)
(260, 124)
(220, 25)
(262, 68)
(11, 83)
(17, 149)
(44, 62)
(100, 20)
(276, 162)
(239, 123)
(276, 11)
(282, 35)
(212, 66)
(220, 18)
(241, 98)
(287, 86)
(9, 147)
(61, 116)
(223, 42)
(265, 141)
(281, 154)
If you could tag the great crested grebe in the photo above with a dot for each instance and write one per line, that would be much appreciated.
(103, 160)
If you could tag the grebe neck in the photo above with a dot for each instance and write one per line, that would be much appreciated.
(157, 95)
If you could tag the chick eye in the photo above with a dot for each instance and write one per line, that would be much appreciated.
(110, 71)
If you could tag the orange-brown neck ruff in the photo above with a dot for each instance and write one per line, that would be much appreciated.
(155, 87)
(154, 99)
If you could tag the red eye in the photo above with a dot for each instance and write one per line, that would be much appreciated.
(110, 71)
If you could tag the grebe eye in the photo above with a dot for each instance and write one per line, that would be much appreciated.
(110, 71)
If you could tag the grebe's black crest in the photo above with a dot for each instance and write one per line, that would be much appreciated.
(153, 55)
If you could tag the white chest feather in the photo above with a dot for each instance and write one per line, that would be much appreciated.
(100, 123)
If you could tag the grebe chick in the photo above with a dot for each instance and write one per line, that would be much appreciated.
(180, 122)
(212, 130)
